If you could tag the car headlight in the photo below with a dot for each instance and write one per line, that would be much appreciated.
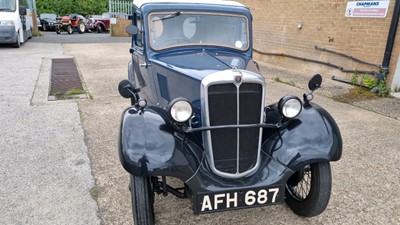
(290, 106)
(180, 110)
(7, 23)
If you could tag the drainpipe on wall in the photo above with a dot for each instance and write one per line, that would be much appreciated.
(391, 37)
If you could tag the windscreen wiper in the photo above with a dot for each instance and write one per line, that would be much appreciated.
(167, 16)
(215, 57)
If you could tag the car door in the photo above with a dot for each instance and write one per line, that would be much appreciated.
(141, 66)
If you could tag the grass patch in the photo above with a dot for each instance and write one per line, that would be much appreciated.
(95, 192)
(279, 80)
(356, 94)
(69, 94)
(90, 96)
(37, 34)
(75, 92)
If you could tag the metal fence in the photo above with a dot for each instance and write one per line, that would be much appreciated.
(119, 8)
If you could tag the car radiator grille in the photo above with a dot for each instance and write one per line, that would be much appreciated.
(235, 150)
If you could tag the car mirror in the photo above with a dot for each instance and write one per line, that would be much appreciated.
(126, 88)
(132, 29)
(22, 10)
(315, 82)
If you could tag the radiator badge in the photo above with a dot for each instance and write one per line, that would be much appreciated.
(238, 77)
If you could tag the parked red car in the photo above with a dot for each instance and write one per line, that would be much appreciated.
(98, 24)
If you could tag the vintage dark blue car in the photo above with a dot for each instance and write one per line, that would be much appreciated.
(198, 114)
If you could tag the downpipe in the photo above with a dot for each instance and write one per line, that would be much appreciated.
(391, 38)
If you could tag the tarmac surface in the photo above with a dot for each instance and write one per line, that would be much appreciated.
(46, 178)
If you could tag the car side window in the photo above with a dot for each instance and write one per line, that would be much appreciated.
(25, 3)
(139, 36)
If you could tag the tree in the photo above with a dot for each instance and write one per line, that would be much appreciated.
(64, 7)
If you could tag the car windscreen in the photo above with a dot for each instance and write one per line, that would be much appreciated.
(48, 16)
(7, 5)
(172, 29)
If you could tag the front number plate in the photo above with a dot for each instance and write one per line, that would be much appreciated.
(210, 202)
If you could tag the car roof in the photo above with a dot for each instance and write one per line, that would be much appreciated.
(139, 3)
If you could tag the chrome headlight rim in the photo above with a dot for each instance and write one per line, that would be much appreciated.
(180, 110)
(290, 106)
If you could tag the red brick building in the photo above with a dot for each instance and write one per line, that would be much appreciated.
(307, 35)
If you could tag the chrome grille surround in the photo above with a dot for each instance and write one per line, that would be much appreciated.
(229, 77)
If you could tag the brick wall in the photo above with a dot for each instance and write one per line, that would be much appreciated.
(324, 25)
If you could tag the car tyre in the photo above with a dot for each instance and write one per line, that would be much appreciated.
(17, 44)
(142, 197)
(30, 33)
(99, 28)
(308, 190)
(70, 29)
(81, 28)
(44, 27)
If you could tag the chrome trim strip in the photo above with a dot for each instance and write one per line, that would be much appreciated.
(264, 125)
(223, 77)
(237, 129)
(237, 79)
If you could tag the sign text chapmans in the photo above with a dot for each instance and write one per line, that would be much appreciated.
(372, 9)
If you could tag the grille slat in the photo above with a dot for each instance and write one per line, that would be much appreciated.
(250, 105)
(222, 98)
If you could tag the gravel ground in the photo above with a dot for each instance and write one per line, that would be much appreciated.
(365, 180)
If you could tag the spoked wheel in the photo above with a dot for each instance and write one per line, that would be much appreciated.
(308, 190)
(142, 200)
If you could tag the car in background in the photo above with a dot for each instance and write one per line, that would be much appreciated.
(48, 21)
(98, 23)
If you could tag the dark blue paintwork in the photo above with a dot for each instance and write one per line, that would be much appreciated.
(151, 146)
(189, 68)
(312, 137)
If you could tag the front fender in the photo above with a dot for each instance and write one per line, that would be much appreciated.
(149, 146)
(313, 136)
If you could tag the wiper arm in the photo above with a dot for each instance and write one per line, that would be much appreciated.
(215, 57)
(168, 16)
